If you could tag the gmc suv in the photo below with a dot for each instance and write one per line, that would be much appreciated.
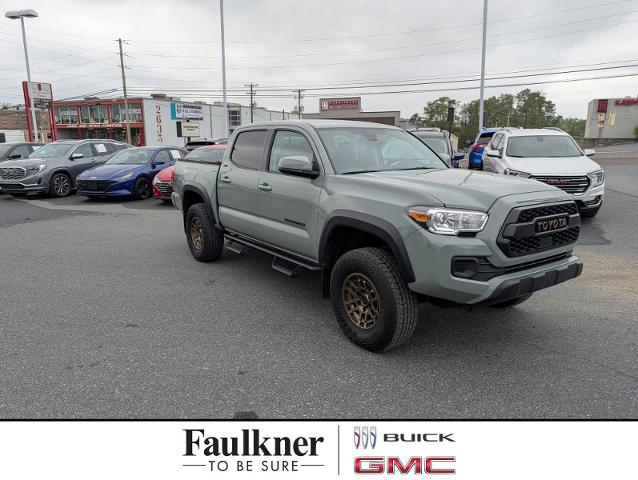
(383, 219)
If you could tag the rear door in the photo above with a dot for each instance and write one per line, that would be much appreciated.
(78, 165)
(288, 204)
(237, 183)
(101, 153)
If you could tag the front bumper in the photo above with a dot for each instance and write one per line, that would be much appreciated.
(591, 199)
(120, 189)
(30, 184)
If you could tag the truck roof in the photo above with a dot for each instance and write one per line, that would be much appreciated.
(318, 124)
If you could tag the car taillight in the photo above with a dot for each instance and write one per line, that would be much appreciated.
(476, 146)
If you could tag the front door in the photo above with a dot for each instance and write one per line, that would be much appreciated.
(237, 183)
(288, 205)
(78, 165)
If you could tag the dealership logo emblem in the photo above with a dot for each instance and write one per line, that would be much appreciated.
(364, 436)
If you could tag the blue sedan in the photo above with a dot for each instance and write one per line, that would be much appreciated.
(129, 172)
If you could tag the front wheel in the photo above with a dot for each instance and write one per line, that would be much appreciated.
(143, 189)
(373, 305)
(60, 185)
(204, 240)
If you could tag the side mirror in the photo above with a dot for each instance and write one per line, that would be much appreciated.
(298, 165)
(589, 152)
(492, 153)
(459, 156)
(76, 155)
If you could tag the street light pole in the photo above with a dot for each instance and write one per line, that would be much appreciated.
(14, 15)
(221, 15)
(482, 98)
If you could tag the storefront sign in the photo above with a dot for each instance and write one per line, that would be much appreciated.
(42, 96)
(186, 111)
(602, 106)
(185, 129)
(353, 103)
(626, 101)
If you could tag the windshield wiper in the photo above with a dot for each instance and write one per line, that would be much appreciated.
(414, 168)
(360, 171)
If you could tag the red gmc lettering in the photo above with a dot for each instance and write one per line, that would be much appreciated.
(392, 465)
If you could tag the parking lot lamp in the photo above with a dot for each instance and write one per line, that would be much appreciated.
(21, 14)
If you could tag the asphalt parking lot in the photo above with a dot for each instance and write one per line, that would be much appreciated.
(105, 314)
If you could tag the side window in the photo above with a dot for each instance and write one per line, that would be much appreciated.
(21, 150)
(495, 140)
(176, 154)
(288, 144)
(501, 143)
(248, 149)
(161, 157)
(100, 149)
(34, 147)
(84, 149)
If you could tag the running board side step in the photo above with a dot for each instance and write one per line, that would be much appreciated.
(282, 262)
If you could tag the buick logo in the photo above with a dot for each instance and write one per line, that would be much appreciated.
(364, 436)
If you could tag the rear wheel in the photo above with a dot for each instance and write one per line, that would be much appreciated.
(143, 189)
(204, 240)
(372, 303)
(512, 302)
(60, 185)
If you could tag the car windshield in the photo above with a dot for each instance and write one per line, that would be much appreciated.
(206, 154)
(134, 156)
(542, 146)
(438, 144)
(360, 149)
(53, 150)
(4, 149)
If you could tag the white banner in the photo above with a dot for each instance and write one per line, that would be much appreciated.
(318, 450)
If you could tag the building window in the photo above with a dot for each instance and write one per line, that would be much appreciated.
(118, 114)
(234, 117)
(93, 114)
(66, 115)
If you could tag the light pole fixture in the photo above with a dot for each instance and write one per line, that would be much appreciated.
(21, 15)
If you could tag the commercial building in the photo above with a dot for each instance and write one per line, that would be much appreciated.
(350, 109)
(612, 118)
(15, 118)
(159, 120)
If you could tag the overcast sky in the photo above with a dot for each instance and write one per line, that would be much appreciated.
(173, 46)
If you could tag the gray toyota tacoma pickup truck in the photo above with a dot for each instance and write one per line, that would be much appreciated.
(383, 219)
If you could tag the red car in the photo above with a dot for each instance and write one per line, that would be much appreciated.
(163, 181)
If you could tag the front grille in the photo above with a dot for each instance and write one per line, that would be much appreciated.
(568, 184)
(164, 187)
(12, 173)
(518, 236)
(94, 185)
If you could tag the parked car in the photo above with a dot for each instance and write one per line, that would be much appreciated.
(193, 144)
(128, 173)
(15, 151)
(54, 167)
(163, 181)
(439, 142)
(383, 219)
(476, 150)
(551, 156)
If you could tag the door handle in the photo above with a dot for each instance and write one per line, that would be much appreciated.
(225, 179)
(264, 187)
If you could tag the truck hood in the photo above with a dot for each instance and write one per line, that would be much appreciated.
(108, 172)
(459, 188)
(553, 165)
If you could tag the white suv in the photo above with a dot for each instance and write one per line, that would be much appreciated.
(551, 156)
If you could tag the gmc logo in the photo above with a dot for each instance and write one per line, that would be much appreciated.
(392, 465)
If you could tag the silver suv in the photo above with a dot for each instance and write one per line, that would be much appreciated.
(54, 167)
(551, 156)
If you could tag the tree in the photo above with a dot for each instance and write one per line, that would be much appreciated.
(416, 120)
(533, 110)
(574, 126)
(435, 112)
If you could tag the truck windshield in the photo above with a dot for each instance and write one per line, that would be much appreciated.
(360, 149)
(52, 150)
(542, 146)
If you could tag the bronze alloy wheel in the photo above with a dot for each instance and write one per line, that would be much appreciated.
(361, 300)
(197, 233)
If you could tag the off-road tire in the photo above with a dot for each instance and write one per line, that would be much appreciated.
(397, 306)
(66, 185)
(204, 240)
(512, 302)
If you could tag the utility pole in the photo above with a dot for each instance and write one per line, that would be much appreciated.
(221, 23)
(252, 94)
(126, 112)
(482, 98)
(298, 92)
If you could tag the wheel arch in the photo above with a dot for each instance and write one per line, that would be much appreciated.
(191, 195)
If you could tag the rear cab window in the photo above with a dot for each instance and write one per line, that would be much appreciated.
(248, 149)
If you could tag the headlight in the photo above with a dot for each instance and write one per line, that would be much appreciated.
(448, 222)
(33, 169)
(516, 173)
(124, 178)
(597, 177)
